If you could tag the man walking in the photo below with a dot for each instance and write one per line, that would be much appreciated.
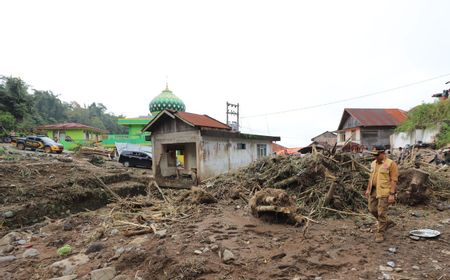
(381, 190)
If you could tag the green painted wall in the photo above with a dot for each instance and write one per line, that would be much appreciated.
(77, 135)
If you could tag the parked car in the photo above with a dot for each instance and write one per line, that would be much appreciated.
(138, 159)
(39, 143)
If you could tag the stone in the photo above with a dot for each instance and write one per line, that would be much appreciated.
(227, 256)
(114, 232)
(21, 241)
(161, 233)
(8, 214)
(67, 277)
(94, 247)
(7, 259)
(6, 249)
(447, 252)
(69, 265)
(30, 253)
(398, 269)
(413, 237)
(386, 276)
(415, 267)
(385, 268)
(391, 264)
(9, 238)
(106, 273)
(393, 250)
(122, 277)
(198, 252)
(214, 247)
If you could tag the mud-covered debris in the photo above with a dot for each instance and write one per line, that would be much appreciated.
(414, 186)
(275, 205)
(200, 196)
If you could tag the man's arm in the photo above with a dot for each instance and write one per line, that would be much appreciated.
(393, 173)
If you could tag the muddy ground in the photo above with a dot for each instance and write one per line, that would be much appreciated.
(119, 227)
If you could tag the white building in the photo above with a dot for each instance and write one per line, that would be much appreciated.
(200, 146)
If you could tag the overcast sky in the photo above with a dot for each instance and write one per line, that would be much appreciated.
(269, 56)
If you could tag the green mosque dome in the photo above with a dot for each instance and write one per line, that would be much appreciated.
(166, 100)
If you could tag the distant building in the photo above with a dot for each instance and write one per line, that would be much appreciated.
(72, 135)
(209, 147)
(327, 139)
(368, 127)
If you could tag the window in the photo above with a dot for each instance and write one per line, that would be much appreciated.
(342, 137)
(241, 146)
(261, 150)
(353, 135)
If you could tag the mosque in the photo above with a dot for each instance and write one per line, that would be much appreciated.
(165, 100)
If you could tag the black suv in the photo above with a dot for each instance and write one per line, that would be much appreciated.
(141, 159)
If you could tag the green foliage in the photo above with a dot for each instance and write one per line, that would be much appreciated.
(44, 107)
(7, 122)
(443, 138)
(429, 115)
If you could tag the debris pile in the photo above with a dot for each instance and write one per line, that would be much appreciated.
(315, 181)
(324, 184)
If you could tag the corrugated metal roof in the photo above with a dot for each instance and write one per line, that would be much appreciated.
(375, 117)
(201, 120)
(65, 126)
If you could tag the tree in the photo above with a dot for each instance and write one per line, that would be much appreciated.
(14, 97)
(7, 122)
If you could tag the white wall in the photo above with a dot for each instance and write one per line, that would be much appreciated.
(401, 139)
(220, 156)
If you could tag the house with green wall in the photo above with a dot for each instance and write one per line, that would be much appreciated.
(165, 100)
(72, 135)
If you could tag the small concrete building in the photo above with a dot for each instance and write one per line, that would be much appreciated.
(208, 147)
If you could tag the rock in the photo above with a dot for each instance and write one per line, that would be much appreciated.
(69, 265)
(68, 277)
(385, 268)
(161, 233)
(9, 238)
(30, 253)
(106, 273)
(398, 269)
(114, 232)
(64, 250)
(21, 241)
(391, 264)
(6, 249)
(413, 237)
(393, 250)
(447, 252)
(214, 247)
(198, 252)
(386, 276)
(68, 226)
(415, 267)
(8, 214)
(94, 247)
(7, 259)
(227, 256)
(122, 277)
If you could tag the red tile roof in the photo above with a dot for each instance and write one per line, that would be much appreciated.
(374, 117)
(68, 126)
(277, 147)
(201, 120)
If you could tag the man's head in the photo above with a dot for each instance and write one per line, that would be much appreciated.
(379, 153)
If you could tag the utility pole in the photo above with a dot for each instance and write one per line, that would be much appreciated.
(233, 113)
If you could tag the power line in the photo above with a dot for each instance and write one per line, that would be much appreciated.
(347, 99)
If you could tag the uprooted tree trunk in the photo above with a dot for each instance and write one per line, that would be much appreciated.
(413, 186)
(275, 205)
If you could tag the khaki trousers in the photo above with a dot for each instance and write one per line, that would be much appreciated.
(378, 207)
